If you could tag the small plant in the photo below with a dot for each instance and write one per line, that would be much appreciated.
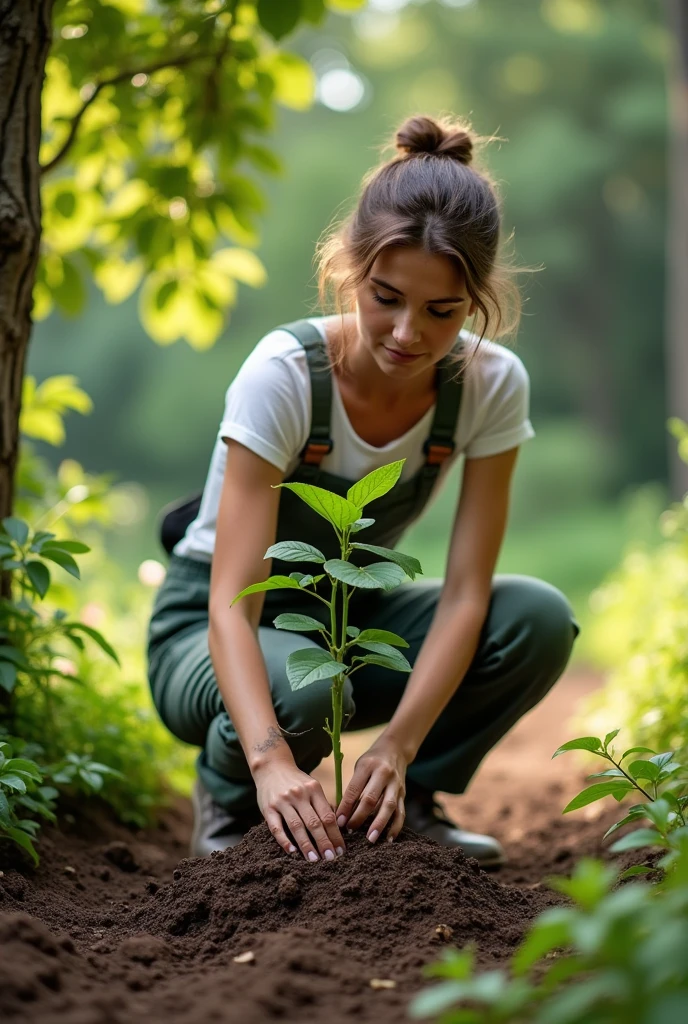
(614, 957)
(338, 662)
(660, 779)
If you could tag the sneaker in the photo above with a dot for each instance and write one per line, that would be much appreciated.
(214, 827)
(425, 815)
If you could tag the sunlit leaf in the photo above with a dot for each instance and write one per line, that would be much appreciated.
(310, 665)
(375, 484)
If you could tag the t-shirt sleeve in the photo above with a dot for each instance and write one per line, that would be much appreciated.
(506, 421)
(266, 408)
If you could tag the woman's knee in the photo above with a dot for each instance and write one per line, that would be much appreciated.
(540, 612)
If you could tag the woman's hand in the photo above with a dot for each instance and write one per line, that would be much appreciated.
(288, 795)
(378, 785)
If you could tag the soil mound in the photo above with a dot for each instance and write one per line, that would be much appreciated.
(252, 934)
(384, 902)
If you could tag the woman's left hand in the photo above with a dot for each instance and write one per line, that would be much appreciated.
(378, 785)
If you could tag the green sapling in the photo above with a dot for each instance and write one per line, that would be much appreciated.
(338, 660)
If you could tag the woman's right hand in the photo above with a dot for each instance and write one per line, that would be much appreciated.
(286, 795)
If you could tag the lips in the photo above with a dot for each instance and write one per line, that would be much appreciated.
(402, 357)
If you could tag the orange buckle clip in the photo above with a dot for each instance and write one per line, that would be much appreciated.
(315, 452)
(435, 454)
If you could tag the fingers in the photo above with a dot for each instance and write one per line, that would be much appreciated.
(397, 821)
(311, 821)
(389, 806)
(327, 817)
(275, 824)
(367, 803)
(351, 795)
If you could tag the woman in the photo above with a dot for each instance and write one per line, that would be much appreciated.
(327, 400)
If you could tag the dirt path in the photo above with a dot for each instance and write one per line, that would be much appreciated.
(117, 925)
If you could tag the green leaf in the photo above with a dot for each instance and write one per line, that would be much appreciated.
(339, 512)
(380, 576)
(294, 551)
(591, 743)
(21, 764)
(393, 658)
(74, 546)
(379, 636)
(39, 575)
(408, 563)
(298, 623)
(637, 869)
(355, 631)
(435, 1000)
(658, 812)
(636, 840)
(13, 781)
(549, 931)
(632, 816)
(375, 484)
(614, 773)
(309, 665)
(92, 779)
(273, 583)
(637, 750)
(21, 839)
(610, 736)
(597, 792)
(17, 529)
(279, 17)
(62, 558)
(361, 524)
(8, 676)
(398, 663)
(13, 655)
(643, 770)
(95, 636)
(313, 11)
(662, 759)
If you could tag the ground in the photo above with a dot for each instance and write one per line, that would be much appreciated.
(118, 924)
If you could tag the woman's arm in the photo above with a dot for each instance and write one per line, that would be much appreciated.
(246, 527)
(450, 644)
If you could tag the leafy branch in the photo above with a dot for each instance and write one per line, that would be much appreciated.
(380, 646)
(666, 805)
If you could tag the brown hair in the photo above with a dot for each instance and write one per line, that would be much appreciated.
(429, 195)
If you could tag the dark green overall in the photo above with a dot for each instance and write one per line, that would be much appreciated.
(524, 645)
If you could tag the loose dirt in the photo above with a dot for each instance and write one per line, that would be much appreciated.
(118, 925)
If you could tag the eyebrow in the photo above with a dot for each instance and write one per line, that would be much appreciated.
(433, 302)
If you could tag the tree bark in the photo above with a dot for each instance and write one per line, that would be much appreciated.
(677, 239)
(25, 36)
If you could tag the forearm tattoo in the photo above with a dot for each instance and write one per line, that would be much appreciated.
(274, 737)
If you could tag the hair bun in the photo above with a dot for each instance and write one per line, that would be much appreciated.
(425, 135)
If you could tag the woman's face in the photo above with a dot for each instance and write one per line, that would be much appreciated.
(410, 309)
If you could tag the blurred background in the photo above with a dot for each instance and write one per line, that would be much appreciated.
(577, 89)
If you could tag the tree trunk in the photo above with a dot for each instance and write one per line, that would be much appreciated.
(677, 240)
(25, 36)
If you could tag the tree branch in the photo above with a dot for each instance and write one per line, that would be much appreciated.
(122, 76)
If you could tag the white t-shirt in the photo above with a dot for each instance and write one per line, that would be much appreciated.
(268, 409)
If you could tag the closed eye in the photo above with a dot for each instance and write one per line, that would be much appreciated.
(433, 312)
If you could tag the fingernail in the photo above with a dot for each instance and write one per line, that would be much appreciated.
(292, 848)
(340, 851)
(373, 836)
(341, 821)
(390, 839)
(329, 854)
(312, 856)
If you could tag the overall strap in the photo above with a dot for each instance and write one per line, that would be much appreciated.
(319, 442)
(440, 442)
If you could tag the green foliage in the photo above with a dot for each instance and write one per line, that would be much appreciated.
(616, 956)
(82, 711)
(661, 779)
(155, 116)
(310, 665)
(640, 632)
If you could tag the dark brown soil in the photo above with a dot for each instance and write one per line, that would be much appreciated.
(117, 925)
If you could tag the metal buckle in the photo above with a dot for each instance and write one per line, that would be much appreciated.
(315, 452)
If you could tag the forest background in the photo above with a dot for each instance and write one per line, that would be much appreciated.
(578, 91)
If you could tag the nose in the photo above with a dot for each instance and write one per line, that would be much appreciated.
(404, 331)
